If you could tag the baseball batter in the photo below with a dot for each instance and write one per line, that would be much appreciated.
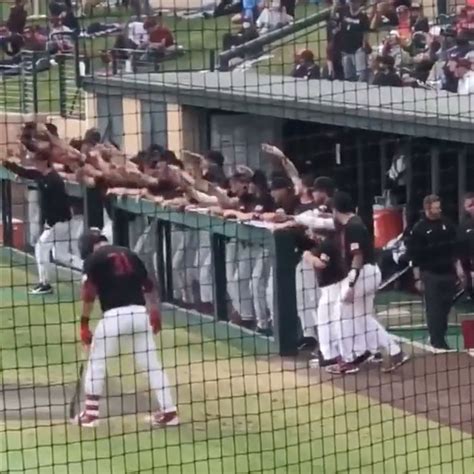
(130, 306)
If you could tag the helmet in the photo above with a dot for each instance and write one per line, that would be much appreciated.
(87, 241)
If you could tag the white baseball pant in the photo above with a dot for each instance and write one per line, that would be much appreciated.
(262, 292)
(328, 320)
(183, 247)
(239, 275)
(204, 264)
(307, 293)
(49, 238)
(118, 327)
(145, 248)
(359, 330)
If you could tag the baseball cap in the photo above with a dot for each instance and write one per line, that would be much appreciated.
(342, 202)
(87, 241)
(325, 184)
(281, 182)
(463, 62)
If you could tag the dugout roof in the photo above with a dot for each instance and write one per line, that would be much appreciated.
(404, 111)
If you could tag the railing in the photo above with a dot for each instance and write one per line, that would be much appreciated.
(280, 247)
(270, 37)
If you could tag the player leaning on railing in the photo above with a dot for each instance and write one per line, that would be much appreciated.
(54, 202)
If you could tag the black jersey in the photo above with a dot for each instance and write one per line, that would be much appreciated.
(356, 239)
(433, 245)
(54, 201)
(118, 276)
(466, 241)
(328, 252)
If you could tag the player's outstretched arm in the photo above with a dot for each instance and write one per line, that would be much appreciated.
(153, 305)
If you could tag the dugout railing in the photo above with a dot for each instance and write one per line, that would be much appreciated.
(123, 210)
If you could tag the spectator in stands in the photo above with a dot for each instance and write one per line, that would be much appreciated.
(384, 13)
(17, 19)
(418, 21)
(353, 25)
(137, 33)
(60, 37)
(247, 33)
(70, 20)
(465, 76)
(12, 48)
(250, 10)
(392, 46)
(465, 22)
(449, 80)
(385, 74)
(305, 67)
(160, 37)
(226, 7)
(35, 38)
(272, 17)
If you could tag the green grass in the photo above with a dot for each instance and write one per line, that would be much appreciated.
(241, 412)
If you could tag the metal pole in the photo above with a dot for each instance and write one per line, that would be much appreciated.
(220, 282)
(462, 171)
(7, 220)
(285, 320)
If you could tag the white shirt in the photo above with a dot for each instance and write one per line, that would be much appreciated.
(137, 33)
(62, 36)
(270, 18)
(466, 83)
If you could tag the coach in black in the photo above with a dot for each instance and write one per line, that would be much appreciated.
(433, 249)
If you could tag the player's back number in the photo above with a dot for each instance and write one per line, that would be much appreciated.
(121, 263)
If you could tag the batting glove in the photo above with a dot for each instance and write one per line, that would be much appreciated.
(86, 334)
(155, 320)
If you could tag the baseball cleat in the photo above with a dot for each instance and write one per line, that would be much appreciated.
(343, 368)
(85, 420)
(41, 289)
(396, 361)
(162, 420)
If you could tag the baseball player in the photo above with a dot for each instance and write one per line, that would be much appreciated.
(55, 212)
(130, 306)
(359, 333)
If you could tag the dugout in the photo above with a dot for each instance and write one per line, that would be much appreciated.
(348, 130)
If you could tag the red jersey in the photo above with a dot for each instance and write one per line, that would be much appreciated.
(160, 33)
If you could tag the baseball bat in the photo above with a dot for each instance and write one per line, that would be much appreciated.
(75, 400)
(394, 277)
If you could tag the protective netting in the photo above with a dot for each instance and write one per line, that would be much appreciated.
(236, 236)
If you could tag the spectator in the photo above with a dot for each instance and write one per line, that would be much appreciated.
(160, 37)
(418, 21)
(70, 20)
(386, 75)
(35, 39)
(137, 33)
(17, 19)
(465, 22)
(384, 13)
(449, 81)
(247, 33)
(353, 25)
(392, 46)
(250, 10)
(60, 37)
(273, 17)
(465, 76)
(404, 23)
(305, 67)
(226, 7)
